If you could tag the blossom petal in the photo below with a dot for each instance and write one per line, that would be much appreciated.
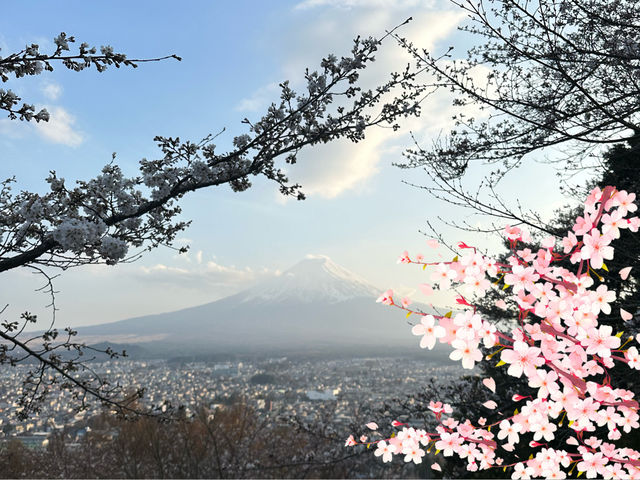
(624, 273)
(426, 288)
(626, 316)
(490, 383)
(490, 404)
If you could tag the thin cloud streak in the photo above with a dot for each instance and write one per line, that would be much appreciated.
(60, 128)
(52, 90)
(203, 276)
(259, 99)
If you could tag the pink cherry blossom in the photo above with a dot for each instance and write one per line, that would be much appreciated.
(583, 225)
(384, 450)
(488, 334)
(422, 437)
(632, 356)
(468, 323)
(624, 202)
(520, 472)
(582, 411)
(448, 443)
(477, 284)
(526, 254)
(544, 292)
(426, 289)
(521, 277)
(512, 233)
(600, 341)
(612, 223)
(467, 351)
(545, 382)
(429, 330)
(548, 242)
(509, 431)
(595, 196)
(593, 464)
(609, 417)
(615, 471)
(444, 275)
(451, 330)
(596, 248)
(413, 453)
(404, 258)
(543, 429)
(386, 298)
(569, 242)
(600, 300)
(630, 420)
(451, 423)
(522, 358)
(435, 407)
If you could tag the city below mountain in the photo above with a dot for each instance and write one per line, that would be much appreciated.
(314, 306)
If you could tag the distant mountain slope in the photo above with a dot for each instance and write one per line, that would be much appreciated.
(315, 304)
(316, 278)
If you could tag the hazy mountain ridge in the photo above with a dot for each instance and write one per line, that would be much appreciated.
(313, 305)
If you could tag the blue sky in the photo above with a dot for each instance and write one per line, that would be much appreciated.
(358, 211)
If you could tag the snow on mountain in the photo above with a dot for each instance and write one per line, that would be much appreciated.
(315, 279)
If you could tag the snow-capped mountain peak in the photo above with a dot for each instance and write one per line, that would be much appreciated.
(315, 278)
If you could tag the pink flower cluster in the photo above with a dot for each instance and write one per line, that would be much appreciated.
(558, 345)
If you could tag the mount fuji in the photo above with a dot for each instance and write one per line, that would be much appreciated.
(314, 305)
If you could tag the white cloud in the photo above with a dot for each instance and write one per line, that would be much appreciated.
(328, 170)
(205, 276)
(52, 90)
(259, 99)
(60, 128)
(331, 169)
